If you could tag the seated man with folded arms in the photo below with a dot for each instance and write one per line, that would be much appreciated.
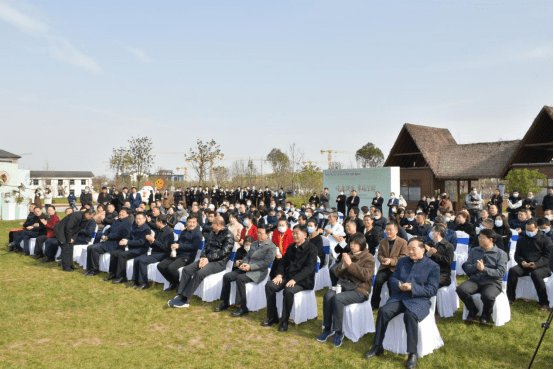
(486, 267)
(86, 233)
(213, 259)
(32, 231)
(49, 225)
(11, 245)
(161, 247)
(185, 250)
(391, 250)
(253, 268)
(441, 252)
(414, 282)
(120, 229)
(532, 255)
(355, 274)
(129, 248)
(296, 272)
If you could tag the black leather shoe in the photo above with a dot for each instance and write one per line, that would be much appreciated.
(132, 284)
(142, 286)
(60, 264)
(411, 363)
(119, 280)
(269, 322)
(91, 273)
(47, 260)
(25, 254)
(37, 256)
(171, 287)
(471, 316)
(67, 270)
(284, 326)
(109, 277)
(222, 306)
(375, 350)
(484, 320)
(240, 312)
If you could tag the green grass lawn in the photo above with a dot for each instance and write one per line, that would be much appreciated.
(49, 318)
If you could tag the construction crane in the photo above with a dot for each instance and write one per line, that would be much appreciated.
(331, 152)
(313, 162)
(186, 169)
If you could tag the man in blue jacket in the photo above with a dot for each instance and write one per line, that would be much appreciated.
(119, 230)
(129, 248)
(135, 199)
(185, 251)
(414, 282)
(86, 233)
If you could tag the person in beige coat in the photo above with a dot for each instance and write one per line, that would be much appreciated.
(391, 249)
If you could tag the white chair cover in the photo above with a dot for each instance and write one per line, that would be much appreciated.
(501, 313)
(255, 294)
(358, 320)
(304, 309)
(461, 251)
(525, 288)
(429, 338)
(210, 288)
(78, 249)
(32, 243)
(447, 298)
(105, 262)
(322, 275)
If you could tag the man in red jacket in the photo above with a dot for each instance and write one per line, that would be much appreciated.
(53, 219)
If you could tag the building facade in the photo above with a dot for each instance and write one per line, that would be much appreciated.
(61, 183)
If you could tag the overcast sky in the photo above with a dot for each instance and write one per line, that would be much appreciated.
(78, 79)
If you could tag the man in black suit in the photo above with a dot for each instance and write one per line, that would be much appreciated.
(295, 273)
(177, 196)
(267, 196)
(66, 232)
(123, 198)
(341, 203)
(104, 197)
(378, 201)
(352, 201)
(254, 196)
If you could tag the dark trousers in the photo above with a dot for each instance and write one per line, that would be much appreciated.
(475, 214)
(241, 279)
(386, 314)
(333, 307)
(95, 250)
(38, 245)
(51, 246)
(67, 256)
(537, 276)
(118, 262)
(273, 270)
(169, 267)
(488, 290)
(24, 237)
(140, 265)
(381, 278)
(271, 290)
(13, 234)
(187, 287)
(334, 278)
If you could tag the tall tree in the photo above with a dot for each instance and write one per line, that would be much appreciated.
(370, 156)
(202, 158)
(278, 159)
(525, 180)
(142, 159)
(120, 161)
(336, 165)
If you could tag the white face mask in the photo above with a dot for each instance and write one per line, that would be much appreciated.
(549, 217)
(343, 244)
(247, 248)
(282, 229)
(498, 223)
(545, 230)
(410, 219)
(376, 217)
(394, 210)
(447, 219)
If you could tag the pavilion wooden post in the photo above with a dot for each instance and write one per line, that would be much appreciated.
(458, 202)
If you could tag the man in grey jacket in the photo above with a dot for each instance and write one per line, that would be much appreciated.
(254, 268)
(474, 204)
(486, 267)
(324, 198)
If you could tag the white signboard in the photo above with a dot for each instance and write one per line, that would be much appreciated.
(365, 181)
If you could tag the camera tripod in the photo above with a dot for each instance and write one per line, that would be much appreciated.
(545, 325)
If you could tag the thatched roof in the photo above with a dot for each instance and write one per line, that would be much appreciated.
(475, 161)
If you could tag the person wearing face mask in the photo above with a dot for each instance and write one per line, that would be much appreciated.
(547, 200)
(474, 204)
(546, 227)
(282, 238)
(341, 202)
(414, 282)
(267, 195)
(314, 199)
(496, 200)
(498, 241)
(316, 239)
(371, 234)
(486, 267)
(393, 201)
(532, 255)
(249, 229)
(502, 228)
(484, 214)
(378, 220)
(449, 235)
(86, 197)
(391, 250)
(408, 222)
(441, 252)
(515, 203)
(530, 203)
(252, 269)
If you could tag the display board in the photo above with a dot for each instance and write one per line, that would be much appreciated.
(365, 181)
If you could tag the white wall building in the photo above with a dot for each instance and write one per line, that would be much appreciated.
(11, 178)
(61, 183)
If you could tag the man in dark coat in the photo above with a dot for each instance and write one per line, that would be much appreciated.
(267, 196)
(86, 197)
(135, 198)
(414, 282)
(123, 198)
(129, 248)
(547, 200)
(377, 201)
(353, 201)
(34, 230)
(341, 203)
(104, 197)
(295, 273)
(66, 232)
(119, 230)
(213, 259)
(533, 250)
(86, 233)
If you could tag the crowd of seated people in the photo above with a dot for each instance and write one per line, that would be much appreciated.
(282, 243)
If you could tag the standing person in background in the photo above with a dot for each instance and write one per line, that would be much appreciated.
(177, 196)
(514, 205)
(47, 198)
(402, 202)
(71, 199)
(393, 201)
(530, 203)
(474, 204)
(423, 205)
(135, 199)
(497, 200)
(324, 198)
(341, 202)
(281, 197)
(352, 201)
(547, 200)
(378, 201)
(86, 197)
(38, 195)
